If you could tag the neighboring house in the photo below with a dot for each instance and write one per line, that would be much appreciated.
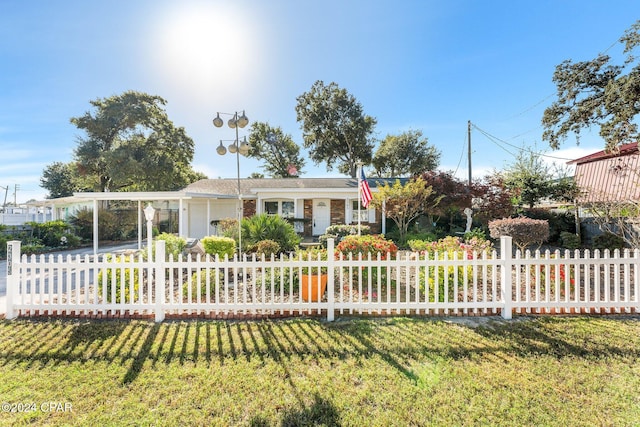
(605, 177)
(312, 204)
(609, 176)
(13, 216)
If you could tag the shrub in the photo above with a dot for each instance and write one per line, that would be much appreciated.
(477, 233)
(265, 247)
(314, 254)
(523, 231)
(339, 231)
(558, 222)
(209, 276)
(174, 245)
(569, 240)
(49, 233)
(369, 244)
(373, 245)
(274, 278)
(70, 240)
(429, 236)
(442, 282)
(269, 227)
(450, 243)
(3, 245)
(221, 246)
(32, 248)
(228, 227)
(608, 241)
(110, 224)
(419, 245)
(130, 276)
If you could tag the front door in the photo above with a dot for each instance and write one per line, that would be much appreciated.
(321, 215)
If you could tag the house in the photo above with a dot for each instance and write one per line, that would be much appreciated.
(312, 204)
(609, 176)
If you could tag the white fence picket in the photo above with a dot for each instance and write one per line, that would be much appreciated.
(411, 283)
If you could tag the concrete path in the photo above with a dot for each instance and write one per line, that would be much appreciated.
(81, 251)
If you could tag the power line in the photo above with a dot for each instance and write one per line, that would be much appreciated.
(526, 110)
(493, 139)
(464, 148)
(531, 108)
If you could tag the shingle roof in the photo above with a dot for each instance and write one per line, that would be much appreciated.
(229, 186)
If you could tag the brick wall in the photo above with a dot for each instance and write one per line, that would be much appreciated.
(249, 208)
(337, 212)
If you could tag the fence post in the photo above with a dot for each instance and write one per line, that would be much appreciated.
(636, 279)
(160, 279)
(13, 276)
(331, 279)
(506, 283)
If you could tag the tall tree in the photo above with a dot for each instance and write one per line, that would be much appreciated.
(280, 154)
(407, 154)
(530, 180)
(131, 144)
(597, 93)
(454, 195)
(491, 198)
(405, 203)
(62, 180)
(335, 128)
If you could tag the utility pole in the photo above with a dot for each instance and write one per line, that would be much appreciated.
(469, 148)
(15, 194)
(6, 192)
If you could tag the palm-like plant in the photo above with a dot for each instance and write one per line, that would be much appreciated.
(272, 227)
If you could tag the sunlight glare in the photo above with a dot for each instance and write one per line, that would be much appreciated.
(206, 50)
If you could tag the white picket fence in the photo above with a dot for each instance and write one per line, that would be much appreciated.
(411, 284)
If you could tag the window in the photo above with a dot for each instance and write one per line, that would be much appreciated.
(288, 209)
(284, 208)
(271, 208)
(364, 213)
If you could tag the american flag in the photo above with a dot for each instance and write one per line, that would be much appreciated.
(365, 191)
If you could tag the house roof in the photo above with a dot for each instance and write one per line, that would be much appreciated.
(252, 185)
(623, 150)
(228, 188)
(609, 176)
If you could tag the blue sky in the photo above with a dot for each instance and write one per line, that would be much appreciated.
(421, 65)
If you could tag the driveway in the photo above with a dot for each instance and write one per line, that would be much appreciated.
(80, 251)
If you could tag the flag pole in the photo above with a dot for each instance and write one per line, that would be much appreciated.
(359, 193)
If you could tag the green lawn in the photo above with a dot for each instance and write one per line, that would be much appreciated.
(398, 371)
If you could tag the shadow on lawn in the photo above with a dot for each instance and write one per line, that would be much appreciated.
(560, 337)
(396, 341)
(320, 413)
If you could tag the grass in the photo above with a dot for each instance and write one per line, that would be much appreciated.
(578, 371)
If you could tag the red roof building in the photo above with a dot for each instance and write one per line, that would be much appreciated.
(609, 176)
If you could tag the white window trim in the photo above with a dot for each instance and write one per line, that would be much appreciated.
(279, 202)
(367, 215)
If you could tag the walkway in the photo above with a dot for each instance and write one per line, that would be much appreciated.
(80, 251)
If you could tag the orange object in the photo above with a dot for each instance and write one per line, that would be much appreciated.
(311, 289)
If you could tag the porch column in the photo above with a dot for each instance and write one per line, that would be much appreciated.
(383, 218)
(95, 226)
(180, 218)
(208, 217)
(139, 224)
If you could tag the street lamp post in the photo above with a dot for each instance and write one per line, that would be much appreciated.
(237, 121)
(149, 212)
